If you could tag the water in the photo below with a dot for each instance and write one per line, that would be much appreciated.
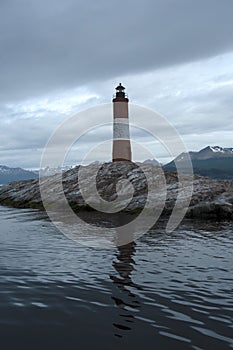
(162, 292)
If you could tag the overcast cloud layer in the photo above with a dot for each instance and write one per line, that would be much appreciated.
(58, 57)
(55, 44)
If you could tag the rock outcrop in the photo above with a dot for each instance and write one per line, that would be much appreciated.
(210, 198)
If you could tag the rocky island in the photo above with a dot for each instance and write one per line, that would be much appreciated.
(211, 199)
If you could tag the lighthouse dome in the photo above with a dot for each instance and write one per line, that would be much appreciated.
(120, 87)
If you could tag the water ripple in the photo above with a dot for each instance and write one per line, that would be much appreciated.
(173, 290)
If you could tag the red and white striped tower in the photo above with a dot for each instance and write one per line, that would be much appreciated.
(121, 139)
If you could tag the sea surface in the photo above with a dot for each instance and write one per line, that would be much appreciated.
(164, 291)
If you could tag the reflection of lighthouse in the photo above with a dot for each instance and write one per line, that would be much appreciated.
(121, 140)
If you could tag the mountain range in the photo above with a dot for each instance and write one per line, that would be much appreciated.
(215, 162)
(8, 174)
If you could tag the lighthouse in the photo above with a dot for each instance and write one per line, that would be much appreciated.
(121, 139)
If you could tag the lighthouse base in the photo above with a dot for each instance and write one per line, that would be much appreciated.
(121, 151)
(121, 160)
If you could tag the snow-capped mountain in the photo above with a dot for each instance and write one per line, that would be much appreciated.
(48, 171)
(212, 161)
(8, 174)
(207, 153)
(217, 149)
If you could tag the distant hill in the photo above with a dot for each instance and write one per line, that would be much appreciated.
(15, 174)
(215, 162)
(151, 161)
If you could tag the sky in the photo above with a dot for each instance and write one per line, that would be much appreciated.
(58, 58)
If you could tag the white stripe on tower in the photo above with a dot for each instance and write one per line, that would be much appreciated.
(121, 138)
(121, 129)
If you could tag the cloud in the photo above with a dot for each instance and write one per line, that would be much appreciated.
(56, 44)
(196, 98)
